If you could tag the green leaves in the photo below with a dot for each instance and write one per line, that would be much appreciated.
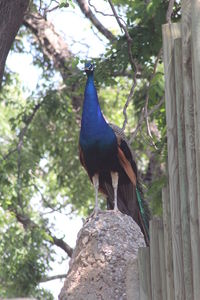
(64, 3)
(21, 250)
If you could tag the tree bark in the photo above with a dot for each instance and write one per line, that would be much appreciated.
(104, 262)
(29, 224)
(11, 17)
(56, 51)
(52, 44)
(89, 14)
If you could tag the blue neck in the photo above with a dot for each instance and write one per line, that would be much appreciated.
(94, 129)
(92, 118)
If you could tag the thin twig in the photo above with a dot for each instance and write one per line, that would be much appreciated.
(128, 37)
(145, 111)
(19, 175)
(169, 11)
(83, 4)
(150, 134)
(50, 9)
(104, 14)
(29, 224)
(139, 124)
(23, 132)
(98, 11)
(47, 9)
(40, 6)
(147, 99)
(49, 278)
(118, 19)
(133, 62)
(45, 201)
(9, 153)
(128, 101)
(49, 4)
(96, 35)
(18, 149)
(142, 118)
(42, 12)
(28, 121)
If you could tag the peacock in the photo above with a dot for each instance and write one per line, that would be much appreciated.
(106, 156)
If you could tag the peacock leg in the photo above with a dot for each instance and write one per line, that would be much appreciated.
(95, 180)
(115, 177)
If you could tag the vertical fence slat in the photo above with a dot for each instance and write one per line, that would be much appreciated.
(191, 146)
(183, 183)
(170, 33)
(168, 244)
(144, 273)
(196, 77)
(156, 283)
(162, 260)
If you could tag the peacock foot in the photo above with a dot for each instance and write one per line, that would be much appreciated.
(116, 209)
(95, 213)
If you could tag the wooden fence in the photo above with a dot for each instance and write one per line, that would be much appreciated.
(170, 268)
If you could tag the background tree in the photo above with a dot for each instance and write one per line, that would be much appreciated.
(11, 17)
(40, 171)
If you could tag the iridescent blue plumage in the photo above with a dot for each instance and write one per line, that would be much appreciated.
(97, 139)
(93, 126)
(105, 154)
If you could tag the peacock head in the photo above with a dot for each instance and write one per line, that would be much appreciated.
(89, 67)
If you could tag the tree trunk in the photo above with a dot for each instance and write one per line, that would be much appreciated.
(11, 17)
(104, 262)
(52, 44)
(56, 50)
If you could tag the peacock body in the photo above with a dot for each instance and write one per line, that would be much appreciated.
(107, 158)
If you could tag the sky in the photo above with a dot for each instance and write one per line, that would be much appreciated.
(74, 27)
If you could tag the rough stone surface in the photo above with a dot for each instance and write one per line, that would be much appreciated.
(104, 262)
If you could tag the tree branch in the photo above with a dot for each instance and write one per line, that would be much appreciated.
(169, 11)
(147, 99)
(62, 244)
(47, 8)
(142, 118)
(49, 278)
(89, 14)
(52, 44)
(128, 101)
(28, 122)
(128, 37)
(29, 224)
(55, 50)
(132, 61)
(23, 132)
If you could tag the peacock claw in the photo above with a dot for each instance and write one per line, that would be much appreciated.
(116, 209)
(95, 213)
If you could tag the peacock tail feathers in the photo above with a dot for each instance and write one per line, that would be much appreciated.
(144, 208)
